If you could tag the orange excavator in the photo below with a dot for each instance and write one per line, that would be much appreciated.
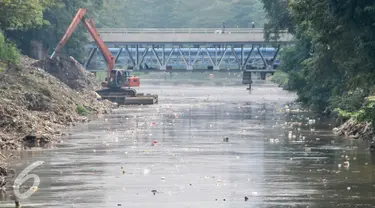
(118, 82)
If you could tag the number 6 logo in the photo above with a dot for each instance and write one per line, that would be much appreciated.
(23, 177)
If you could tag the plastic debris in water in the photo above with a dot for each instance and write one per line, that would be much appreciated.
(163, 178)
(146, 171)
(154, 143)
(348, 188)
(34, 188)
(290, 134)
(339, 165)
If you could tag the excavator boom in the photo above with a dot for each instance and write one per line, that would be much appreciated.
(72, 27)
(80, 16)
(116, 87)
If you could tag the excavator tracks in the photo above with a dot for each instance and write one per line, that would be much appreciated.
(127, 96)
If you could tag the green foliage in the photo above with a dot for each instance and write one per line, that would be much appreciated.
(58, 15)
(351, 101)
(22, 15)
(332, 65)
(181, 13)
(365, 114)
(281, 78)
(279, 18)
(8, 53)
(81, 110)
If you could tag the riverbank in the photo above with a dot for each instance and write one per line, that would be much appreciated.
(38, 99)
(350, 128)
(281, 79)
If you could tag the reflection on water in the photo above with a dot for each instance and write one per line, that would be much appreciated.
(110, 162)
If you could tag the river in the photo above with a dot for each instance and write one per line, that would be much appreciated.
(110, 161)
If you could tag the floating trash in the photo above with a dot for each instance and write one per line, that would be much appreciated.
(146, 171)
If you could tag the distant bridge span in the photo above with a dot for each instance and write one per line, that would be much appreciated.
(187, 36)
(163, 46)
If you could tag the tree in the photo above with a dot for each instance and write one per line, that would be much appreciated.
(58, 17)
(181, 13)
(333, 64)
(22, 15)
(279, 18)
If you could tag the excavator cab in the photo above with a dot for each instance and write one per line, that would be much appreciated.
(121, 78)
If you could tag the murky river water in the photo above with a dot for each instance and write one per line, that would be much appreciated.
(110, 162)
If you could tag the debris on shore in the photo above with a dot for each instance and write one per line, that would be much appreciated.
(39, 98)
(356, 130)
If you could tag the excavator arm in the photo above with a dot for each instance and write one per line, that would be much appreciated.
(80, 16)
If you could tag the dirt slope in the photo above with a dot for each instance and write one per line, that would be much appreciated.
(35, 105)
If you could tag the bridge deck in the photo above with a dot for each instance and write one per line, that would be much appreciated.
(186, 35)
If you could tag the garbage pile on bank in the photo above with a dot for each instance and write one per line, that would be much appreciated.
(355, 129)
(39, 98)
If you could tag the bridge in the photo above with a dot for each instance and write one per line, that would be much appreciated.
(187, 48)
(186, 35)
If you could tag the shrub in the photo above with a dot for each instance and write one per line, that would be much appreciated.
(8, 52)
(81, 110)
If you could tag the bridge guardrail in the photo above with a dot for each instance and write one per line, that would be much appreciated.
(180, 30)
